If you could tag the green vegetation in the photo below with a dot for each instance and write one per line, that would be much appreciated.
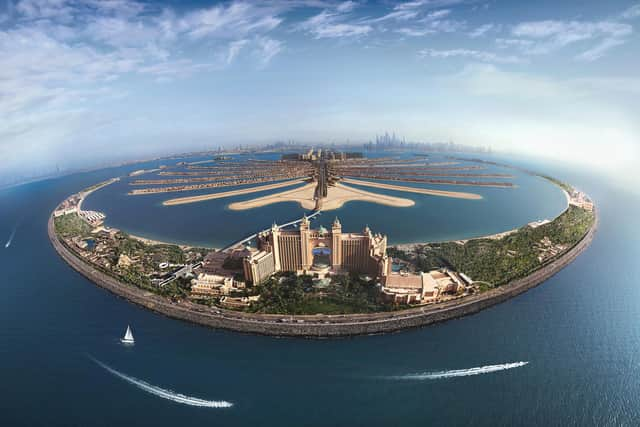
(136, 277)
(286, 293)
(498, 261)
(128, 259)
(151, 255)
(178, 289)
(71, 225)
(566, 187)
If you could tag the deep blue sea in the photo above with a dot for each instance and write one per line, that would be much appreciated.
(579, 332)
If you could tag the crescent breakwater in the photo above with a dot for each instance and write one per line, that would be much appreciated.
(320, 326)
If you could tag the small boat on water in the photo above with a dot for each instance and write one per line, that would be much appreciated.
(128, 337)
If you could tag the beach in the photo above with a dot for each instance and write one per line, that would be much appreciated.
(441, 193)
(302, 195)
(337, 196)
(211, 196)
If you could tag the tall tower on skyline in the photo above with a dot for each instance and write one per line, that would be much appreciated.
(336, 243)
(304, 243)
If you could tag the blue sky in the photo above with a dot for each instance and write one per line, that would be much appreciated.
(84, 82)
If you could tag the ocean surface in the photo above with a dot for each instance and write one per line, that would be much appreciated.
(564, 353)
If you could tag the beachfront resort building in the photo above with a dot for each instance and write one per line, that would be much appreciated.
(214, 285)
(318, 252)
(321, 253)
(421, 288)
(258, 266)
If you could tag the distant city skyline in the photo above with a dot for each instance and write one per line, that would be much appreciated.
(87, 82)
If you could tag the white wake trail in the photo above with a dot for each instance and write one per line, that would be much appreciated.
(166, 394)
(13, 233)
(459, 372)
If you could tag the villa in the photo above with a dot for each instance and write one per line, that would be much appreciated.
(214, 285)
(421, 288)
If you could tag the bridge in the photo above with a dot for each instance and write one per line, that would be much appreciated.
(190, 267)
(182, 272)
(254, 235)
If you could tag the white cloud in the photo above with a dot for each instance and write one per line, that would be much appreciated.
(599, 50)
(477, 55)
(234, 49)
(169, 70)
(39, 9)
(432, 22)
(397, 15)
(267, 49)
(438, 14)
(417, 4)
(631, 12)
(607, 85)
(119, 32)
(514, 43)
(62, 58)
(489, 80)
(346, 6)
(412, 32)
(482, 30)
(330, 24)
(577, 120)
(237, 19)
(569, 31)
(543, 37)
(402, 12)
(419, 18)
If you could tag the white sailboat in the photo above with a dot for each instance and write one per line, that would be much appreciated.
(128, 337)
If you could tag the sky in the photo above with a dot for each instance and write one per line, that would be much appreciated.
(90, 82)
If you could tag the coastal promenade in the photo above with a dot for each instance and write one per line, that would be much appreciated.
(319, 326)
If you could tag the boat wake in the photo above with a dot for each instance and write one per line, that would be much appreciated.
(459, 372)
(164, 393)
(13, 233)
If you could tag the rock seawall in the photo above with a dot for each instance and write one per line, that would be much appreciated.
(318, 326)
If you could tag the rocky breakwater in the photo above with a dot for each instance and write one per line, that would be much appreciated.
(319, 326)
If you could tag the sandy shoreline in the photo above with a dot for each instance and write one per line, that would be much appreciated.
(149, 241)
(158, 242)
(441, 193)
(340, 194)
(302, 195)
(414, 246)
(337, 196)
(211, 196)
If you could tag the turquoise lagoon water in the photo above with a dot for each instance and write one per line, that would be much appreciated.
(212, 224)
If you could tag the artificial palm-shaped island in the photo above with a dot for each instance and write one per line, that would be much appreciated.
(294, 279)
